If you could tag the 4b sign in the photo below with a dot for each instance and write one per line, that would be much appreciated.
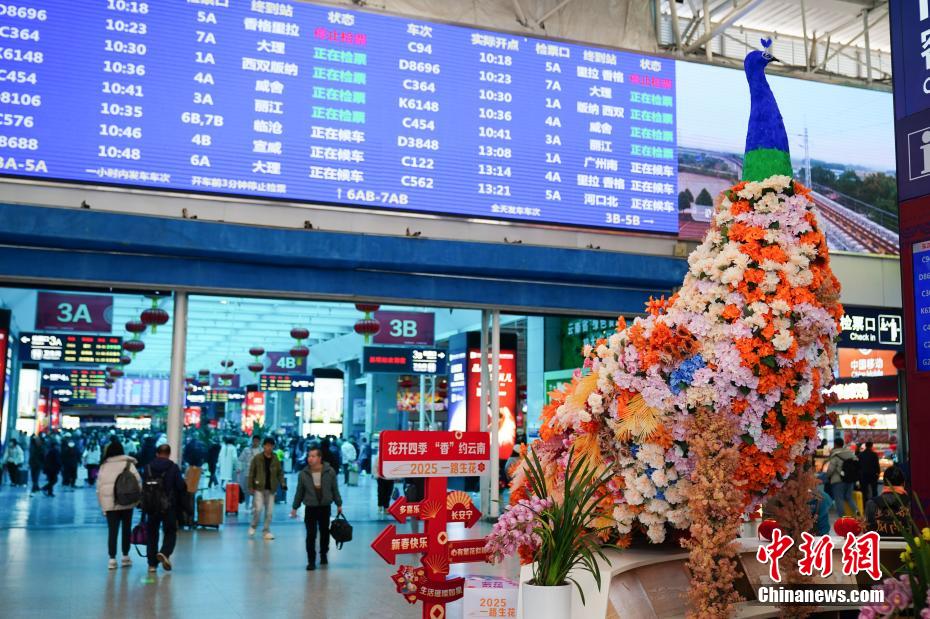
(406, 328)
(74, 312)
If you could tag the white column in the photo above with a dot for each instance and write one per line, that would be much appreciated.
(485, 483)
(495, 386)
(176, 386)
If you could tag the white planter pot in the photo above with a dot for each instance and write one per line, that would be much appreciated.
(547, 602)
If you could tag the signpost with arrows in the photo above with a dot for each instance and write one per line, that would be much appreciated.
(435, 456)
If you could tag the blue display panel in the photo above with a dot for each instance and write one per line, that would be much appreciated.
(299, 102)
(921, 253)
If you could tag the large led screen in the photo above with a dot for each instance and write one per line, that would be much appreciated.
(287, 100)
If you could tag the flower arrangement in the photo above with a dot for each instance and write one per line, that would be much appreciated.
(907, 590)
(558, 530)
(750, 336)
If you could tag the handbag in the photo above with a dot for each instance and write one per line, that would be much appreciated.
(340, 530)
(140, 537)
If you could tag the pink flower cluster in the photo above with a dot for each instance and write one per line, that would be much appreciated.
(515, 529)
(897, 598)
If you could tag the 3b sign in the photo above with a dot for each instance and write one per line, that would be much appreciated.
(405, 328)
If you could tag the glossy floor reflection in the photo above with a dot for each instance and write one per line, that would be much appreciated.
(53, 552)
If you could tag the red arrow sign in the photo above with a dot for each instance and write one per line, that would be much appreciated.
(467, 551)
(467, 514)
(401, 510)
(389, 544)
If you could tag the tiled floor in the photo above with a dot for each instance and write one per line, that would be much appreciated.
(53, 553)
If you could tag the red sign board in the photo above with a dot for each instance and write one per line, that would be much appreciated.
(507, 421)
(433, 454)
(253, 411)
(406, 328)
(90, 313)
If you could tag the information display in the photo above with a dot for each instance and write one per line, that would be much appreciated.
(67, 348)
(403, 360)
(294, 101)
(135, 392)
(285, 382)
(78, 377)
(921, 252)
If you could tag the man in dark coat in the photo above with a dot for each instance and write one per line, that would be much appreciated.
(213, 457)
(51, 466)
(36, 460)
(172, 483)
(869, 471)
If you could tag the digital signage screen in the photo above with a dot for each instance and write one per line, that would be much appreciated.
(292, 101)
(311, 103)
(921, 252)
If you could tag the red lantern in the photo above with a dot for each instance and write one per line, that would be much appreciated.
(898, 360)
(134, 346)
(300, 352)
(190, 380)
(125, 360)
(368, 308)
(405, 382)
(227, 363)
(115, 372)
(845, 525)
(367, 327)
(299, 333)
(135, 326)
(204, 372)
(256, 351)
(256, 367)
(154, 317)
(767, 527)
(226, 376)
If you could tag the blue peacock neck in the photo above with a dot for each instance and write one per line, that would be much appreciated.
(767, 152)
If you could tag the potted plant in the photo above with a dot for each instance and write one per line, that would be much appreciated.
(557, 530)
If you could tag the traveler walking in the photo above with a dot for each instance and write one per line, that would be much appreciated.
(118, 492)
(265, 476)
(245, 462)
(164, 494)
(36, 459)
(317, 490)
(868, 480)
(213, 457)
(228, 461)
(349, 456)
(843, 472)
(14, 461)
(51, 466)
(92, 461)
(70, 458)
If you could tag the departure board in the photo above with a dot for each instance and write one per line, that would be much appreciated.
(70, 348)
(306, 103)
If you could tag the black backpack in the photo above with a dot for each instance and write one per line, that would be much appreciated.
(850, 470)
(126, 490)
(155, 499)
(340, 530)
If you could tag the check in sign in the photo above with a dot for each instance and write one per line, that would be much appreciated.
(433, 454)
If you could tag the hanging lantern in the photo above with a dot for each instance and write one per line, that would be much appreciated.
(227, 376)
(300, 352)
(227, 363)
(133, 347)
(299, 333)
(442, 388)
(154, 316)
(257, 351)
(125, 360)
(190, 380)
(405, 382)
(135, 326)
(204, 372)
(255, 367)
(367, 326)
(115, 372)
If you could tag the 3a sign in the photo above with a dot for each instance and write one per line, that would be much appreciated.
(74, 312)
(865, 327)
(406, 328)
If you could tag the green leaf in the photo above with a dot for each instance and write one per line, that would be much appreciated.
(769, 360)
(747, 438)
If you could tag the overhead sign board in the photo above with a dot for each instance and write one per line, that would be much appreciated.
(406, 328)
(404, 360)
(83, 377)
(283, 362)
(90, 313)
(285, 382)
(433, 454)
(869, 327)
(70, 348)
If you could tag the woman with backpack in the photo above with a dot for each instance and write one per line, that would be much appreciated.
(118, 495)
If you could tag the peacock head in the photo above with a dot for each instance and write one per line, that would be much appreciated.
(756, 61)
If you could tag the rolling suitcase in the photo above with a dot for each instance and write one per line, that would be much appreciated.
(209, 513)
(281, 495)
(232, 498)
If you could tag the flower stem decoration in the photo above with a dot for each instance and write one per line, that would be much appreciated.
(560, 535)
